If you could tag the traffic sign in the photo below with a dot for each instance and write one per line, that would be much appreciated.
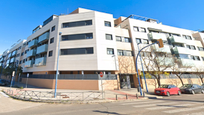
(101, 74)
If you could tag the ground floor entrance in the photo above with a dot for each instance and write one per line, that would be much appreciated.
(128, 81)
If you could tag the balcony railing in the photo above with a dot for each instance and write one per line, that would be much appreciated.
(156, 48)
(165, 61)
(186, 62)
(14, 53)
(177, 39)
(156, 36)
(32, 43)
(31, 53)
(9, 55)
(29, 63)
(12, 60)
(43, 37)
(181, 50)
(40, 61)
(42, 49)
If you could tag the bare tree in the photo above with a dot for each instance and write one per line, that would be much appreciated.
(157, 64)
(199, 71)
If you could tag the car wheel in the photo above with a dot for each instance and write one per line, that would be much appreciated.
(179, 93)
(193, 92)
(168, 94)
(202, 91)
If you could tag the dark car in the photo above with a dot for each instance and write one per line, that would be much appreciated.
(192, 88)
(4, 82)
(168, 90)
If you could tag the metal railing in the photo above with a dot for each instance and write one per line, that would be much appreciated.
(173, 76)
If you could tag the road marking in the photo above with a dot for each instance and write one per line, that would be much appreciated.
(142, 102)
(184, 109)
(199, 113)
(4, 94)
(169, 106)
(158, 104)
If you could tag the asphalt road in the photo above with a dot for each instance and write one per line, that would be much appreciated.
(186, 104)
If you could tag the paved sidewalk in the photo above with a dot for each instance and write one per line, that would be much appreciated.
(33, 92)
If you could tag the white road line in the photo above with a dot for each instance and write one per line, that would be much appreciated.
(158, 104)
(184, 109)
(142, 102)
(4, 94)
(168, 106)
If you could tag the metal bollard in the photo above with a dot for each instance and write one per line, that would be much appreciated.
(143, 94)
(126, 96)
(136, 96)
(116, 97)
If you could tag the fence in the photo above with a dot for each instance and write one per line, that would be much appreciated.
(74, 76)
(48, 96)
(173, 76)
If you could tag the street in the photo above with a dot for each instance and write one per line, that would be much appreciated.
(186, 104)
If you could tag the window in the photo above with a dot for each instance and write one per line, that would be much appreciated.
(183, 56)
(18, 55)
(74, 51)
(188, 46)
(20, 62)
(142, 29)
(110, 51)
(53, 28)
(119, 38)
(138, 40)
(136, 29)
(107, 23)
(51, 40)
(193, 48)
(188, 38)
(120, 52)
(127, 53)
(202, 58)
(193, 57)
(145, 41)
(50, 53)
(78, 23)
(109, 37)
(197, 58)
(22, 53)
(23, 60)
(127, 40)
(177, 45)
(200, 48)
(26, 51)
(77, 36)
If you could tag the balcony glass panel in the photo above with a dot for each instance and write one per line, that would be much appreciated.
(187, 62)
(165, 61)
(12, 60)
(14, 53)
(29, 63)
(40, 61)
(31, 53)
(32, 43)
(9, 55)
(177, 39)
(156, 36)
(42, 49)
(43, 37)
(181, 50)
(164, 49)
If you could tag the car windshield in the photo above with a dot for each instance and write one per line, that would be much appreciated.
(164, 86)
(187, 85)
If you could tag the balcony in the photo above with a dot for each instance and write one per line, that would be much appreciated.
(186, 62)
(42, 49)
(32, 43)
(177, 39)
(164, 49)
(9, 55)
(43, 37)
(40, 61)
(1, 59)
(29, 63)
(14, 53)
(181, 50)
(156, 36)
(12, 60)
(31, 53)
(165, 61)
(198, 63)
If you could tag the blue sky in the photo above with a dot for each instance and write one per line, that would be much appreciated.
(19, 17)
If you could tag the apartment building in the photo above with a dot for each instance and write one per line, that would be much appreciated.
(92, 42)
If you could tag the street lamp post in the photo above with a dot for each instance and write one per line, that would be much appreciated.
(57, 72)
(142, 67)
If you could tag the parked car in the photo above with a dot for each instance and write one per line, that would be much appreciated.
(4, 82)
(192, 88)
(167, 90)
(202, 85)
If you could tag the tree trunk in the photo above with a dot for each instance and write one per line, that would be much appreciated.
(158, 81)
(180, 79)
(201, 78)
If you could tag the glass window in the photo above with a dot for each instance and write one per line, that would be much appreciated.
(142, 29)
(107, 23)
(110, 51)
(193, 57)
(53, 28)
(193, 47)
(50, 53)
(128, 53)
(127, 40)
(136, 29)
(120, 52)
(51, 40)
(188, 46)
(78, 23)
(197, 58)
(22, 53)
(109, 37)
(145, 41)
(74, 51)
(202, 58)
(183, 56)
(138, 40)
(77, 36)
(118, 38)
(188, 38)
